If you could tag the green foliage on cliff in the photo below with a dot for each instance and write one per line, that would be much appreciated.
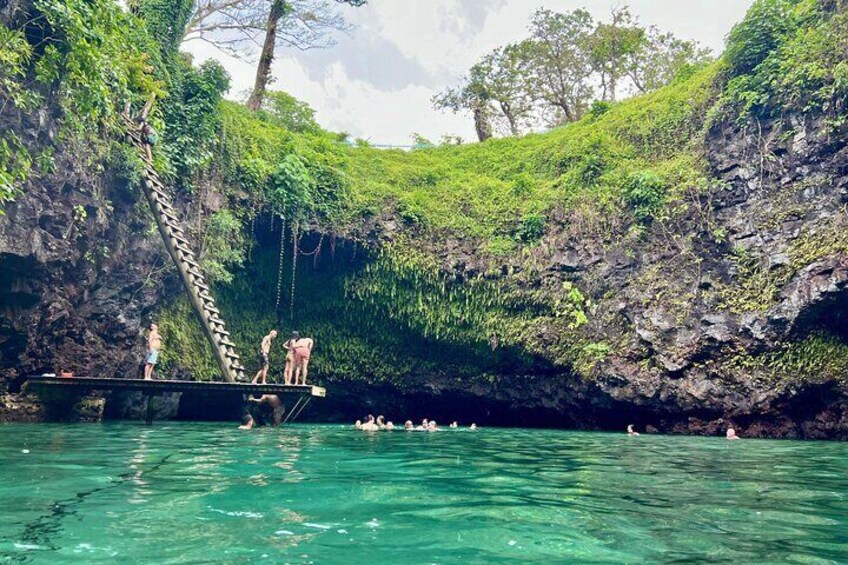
(789, 55)
(87, 58)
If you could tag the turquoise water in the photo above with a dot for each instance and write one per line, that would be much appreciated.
(196, 493)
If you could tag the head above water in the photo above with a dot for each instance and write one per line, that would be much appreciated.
(408, 424)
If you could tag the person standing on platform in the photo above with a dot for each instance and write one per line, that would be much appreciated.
(154, 344)
(302, 348)
(264, 358)
(289, 347)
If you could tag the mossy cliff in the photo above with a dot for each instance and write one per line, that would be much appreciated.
(678, 260)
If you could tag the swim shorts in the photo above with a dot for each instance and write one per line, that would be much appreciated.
(152, 357)
(264, 362)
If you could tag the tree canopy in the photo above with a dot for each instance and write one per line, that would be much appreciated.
(568, 61)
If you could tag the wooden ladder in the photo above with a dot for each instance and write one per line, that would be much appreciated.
(181, 253)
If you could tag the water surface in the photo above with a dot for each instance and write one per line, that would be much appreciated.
(192, 493)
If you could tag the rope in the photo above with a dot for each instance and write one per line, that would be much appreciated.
(280, 268)
(314, 251)
(294, 268)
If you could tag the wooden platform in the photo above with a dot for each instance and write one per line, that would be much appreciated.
(162, 386)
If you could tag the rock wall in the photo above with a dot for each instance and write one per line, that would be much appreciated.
(81, 270)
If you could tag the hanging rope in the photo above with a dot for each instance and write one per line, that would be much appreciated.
(294, 231)
(280, 268)
(314, 251)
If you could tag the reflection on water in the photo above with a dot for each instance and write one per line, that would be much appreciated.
(187, 493)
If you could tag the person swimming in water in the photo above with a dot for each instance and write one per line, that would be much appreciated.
(433, 427)
(369, 425)
(248, 423)
(472, 426)
(409, 426)
(731, 434)
(454, 424)
(272, 403)
(631, 431)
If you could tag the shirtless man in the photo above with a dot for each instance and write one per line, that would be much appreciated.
(264, 361)
(302, 348)
(631, 431)
(272, 401)
(154, 344)
(731, 434)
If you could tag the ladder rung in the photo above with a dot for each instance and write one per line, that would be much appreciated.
(222, 332)
(232, 355)
(212, 309)
(227, 342)
(201, 285)
(179, 237)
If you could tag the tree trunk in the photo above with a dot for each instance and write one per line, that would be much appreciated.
(263, 69)
(506, 108)
(481, 124)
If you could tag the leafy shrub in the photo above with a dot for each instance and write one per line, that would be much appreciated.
(531, 229)
(223, 246)
(754, 38)
(284, 109)
(644, 192)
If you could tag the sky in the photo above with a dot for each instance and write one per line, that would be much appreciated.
(377, 81)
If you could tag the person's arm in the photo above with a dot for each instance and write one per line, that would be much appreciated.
(150, 341)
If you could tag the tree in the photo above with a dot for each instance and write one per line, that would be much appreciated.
(612, 46)
(473, 97)
(290, 112)
(504, 74)
(660, 58)
(289, 23)
(559, 49)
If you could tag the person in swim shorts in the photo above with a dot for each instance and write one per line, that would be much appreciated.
(154, 345)
(264, 358)
(302, 349)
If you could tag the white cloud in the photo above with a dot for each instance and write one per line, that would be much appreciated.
(377, 83)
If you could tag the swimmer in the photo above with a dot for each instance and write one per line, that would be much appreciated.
(274, 404)
(381, 422)
(357, 424)
(432, 427)
(248, 423)
(389, 426)
(454, 424)
(473, 426)
(425, 424)
(369, 425)
(408, 426)
(631, 431)
(731, 434)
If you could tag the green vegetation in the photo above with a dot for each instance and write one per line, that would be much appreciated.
(789, 55)
(626, 174)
